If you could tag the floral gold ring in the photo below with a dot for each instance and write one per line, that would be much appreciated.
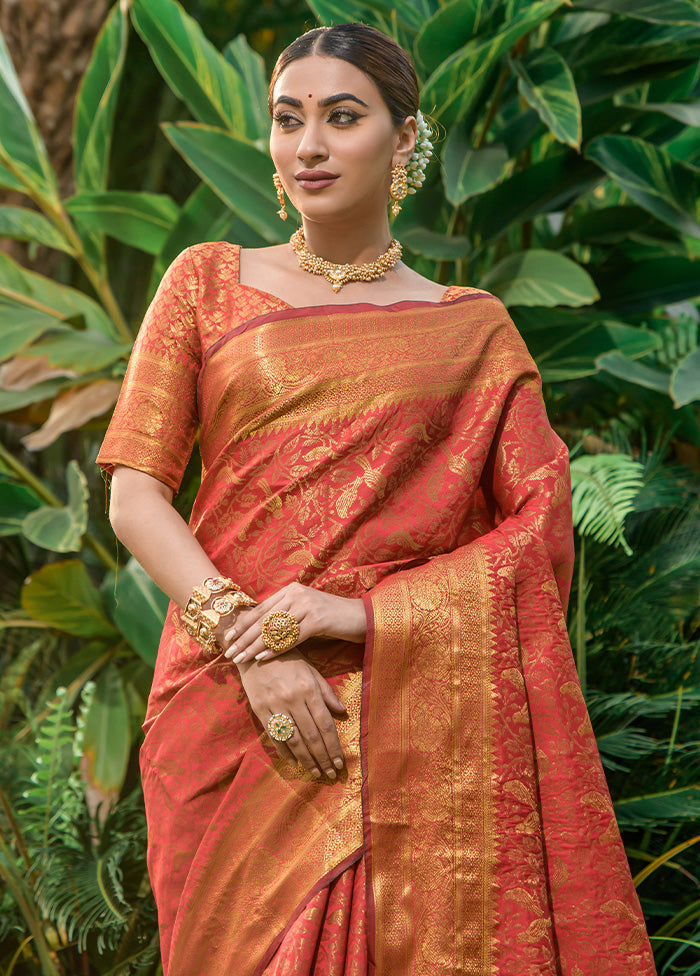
(280, 631)
(280, 727)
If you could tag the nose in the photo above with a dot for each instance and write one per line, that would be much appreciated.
(311, 144)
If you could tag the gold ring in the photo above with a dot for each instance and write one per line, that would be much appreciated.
(280, 727)
(280, 631)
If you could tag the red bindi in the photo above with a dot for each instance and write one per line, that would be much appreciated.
(309, 96)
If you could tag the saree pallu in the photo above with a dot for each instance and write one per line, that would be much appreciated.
(401, 455)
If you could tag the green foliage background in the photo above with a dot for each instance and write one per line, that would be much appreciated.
(566, 181)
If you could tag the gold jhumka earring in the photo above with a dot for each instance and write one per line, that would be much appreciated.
(280, 196)
(398, 189)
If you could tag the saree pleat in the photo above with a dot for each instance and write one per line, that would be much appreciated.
(401, 455)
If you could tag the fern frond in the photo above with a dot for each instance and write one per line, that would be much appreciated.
(604, 487)
(653, 809)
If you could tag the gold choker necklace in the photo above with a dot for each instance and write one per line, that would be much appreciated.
(340, 274)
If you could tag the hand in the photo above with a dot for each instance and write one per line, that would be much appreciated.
(318, 614)
(295, 688)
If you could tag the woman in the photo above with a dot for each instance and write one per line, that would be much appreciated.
(385, 765)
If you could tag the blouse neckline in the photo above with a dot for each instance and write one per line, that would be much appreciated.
(445, 297)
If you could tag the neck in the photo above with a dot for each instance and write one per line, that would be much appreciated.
(355, 242)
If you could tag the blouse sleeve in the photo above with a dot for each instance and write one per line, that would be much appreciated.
(155, 420)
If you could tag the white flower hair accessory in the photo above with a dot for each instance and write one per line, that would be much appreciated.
(415, 170)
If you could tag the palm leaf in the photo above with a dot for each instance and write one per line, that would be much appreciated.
(604, 487)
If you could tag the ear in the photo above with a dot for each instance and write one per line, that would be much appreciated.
(406, 136)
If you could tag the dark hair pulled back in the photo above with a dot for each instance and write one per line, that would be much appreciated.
(378, 56)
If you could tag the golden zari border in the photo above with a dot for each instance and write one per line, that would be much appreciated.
(428, 813)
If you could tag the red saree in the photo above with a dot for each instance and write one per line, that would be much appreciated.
(401, 454)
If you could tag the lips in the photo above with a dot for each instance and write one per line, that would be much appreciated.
(315, 179)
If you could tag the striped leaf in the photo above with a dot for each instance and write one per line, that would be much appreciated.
(20, 141)
(603, 489)
(541, 278)
(468, 172)
(546, 83)
(193, 68)
(457, 85)
(27, 225)
(655, 11)
(238, 172)
(652, 178)
(382, 14)
(96, 103)
(453, 26)
(35, 293)
(142, 220)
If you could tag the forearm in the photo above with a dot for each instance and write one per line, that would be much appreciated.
(145, 521)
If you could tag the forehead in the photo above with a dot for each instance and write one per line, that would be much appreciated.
(321, 76)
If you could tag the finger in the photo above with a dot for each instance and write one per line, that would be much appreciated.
(329, 696)
(314, 730)
(251, 646)
(300, 753)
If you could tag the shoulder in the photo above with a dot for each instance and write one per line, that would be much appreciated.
(212, 254)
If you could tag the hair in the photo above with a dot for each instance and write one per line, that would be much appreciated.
(375, 54)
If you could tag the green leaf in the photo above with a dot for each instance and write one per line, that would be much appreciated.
(203, 217)
(20, 326)
(106, 738)
(17, 399)
(96, 103)
(626, 369)
(240, 173)
(80, 352)
(39, 294)
(453, 26)
(546, 83)
(653, 809)
(8, 181)
(541, 188)
(193, 68)
(468, 172)
(382, 14)
(16, 501)
(686, 112)
(541, 278)
(456, 86)
(603, 489)
(61, 529)
(142, 220)
(251, 70)
(138, 608)
(438, 247)
(653, 283)
(652, 178)
(685, 380)
(656, 11)
(20, 141)
(28, 225)
(63, 595)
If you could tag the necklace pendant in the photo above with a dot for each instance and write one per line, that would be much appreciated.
(337, 285)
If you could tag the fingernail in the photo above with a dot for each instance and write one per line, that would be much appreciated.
(262, 656)
(338, 763)
(331, 773)
(315, 773)
(241, 657)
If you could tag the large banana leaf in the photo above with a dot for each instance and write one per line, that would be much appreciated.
(453, 26)
(238, 172)
(22, 149)
(543, 278)
(28, 225)
(143, 220)
(96, 103)
(63, 595)
(468, 172)
(656, 11)
(106, 741)
(546, 83)
(213, 91)
(662, 185)
(137, 607)
(61, 529)
(456, 86)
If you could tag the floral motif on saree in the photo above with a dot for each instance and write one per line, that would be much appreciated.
(401, 454)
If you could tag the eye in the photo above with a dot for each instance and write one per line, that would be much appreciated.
(343, 116)
(285, 121)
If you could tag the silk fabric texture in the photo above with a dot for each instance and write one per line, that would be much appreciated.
(400, 454)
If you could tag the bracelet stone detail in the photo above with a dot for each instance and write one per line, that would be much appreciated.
(200, 623)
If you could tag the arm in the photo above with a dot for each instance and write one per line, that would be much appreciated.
(144, 519)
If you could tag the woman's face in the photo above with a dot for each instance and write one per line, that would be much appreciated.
(333, 141)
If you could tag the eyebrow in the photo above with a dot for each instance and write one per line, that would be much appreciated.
(324, 102)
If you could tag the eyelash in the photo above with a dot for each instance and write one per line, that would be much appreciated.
(287, 121)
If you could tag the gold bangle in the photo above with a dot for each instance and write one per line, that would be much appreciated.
(200, 623)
